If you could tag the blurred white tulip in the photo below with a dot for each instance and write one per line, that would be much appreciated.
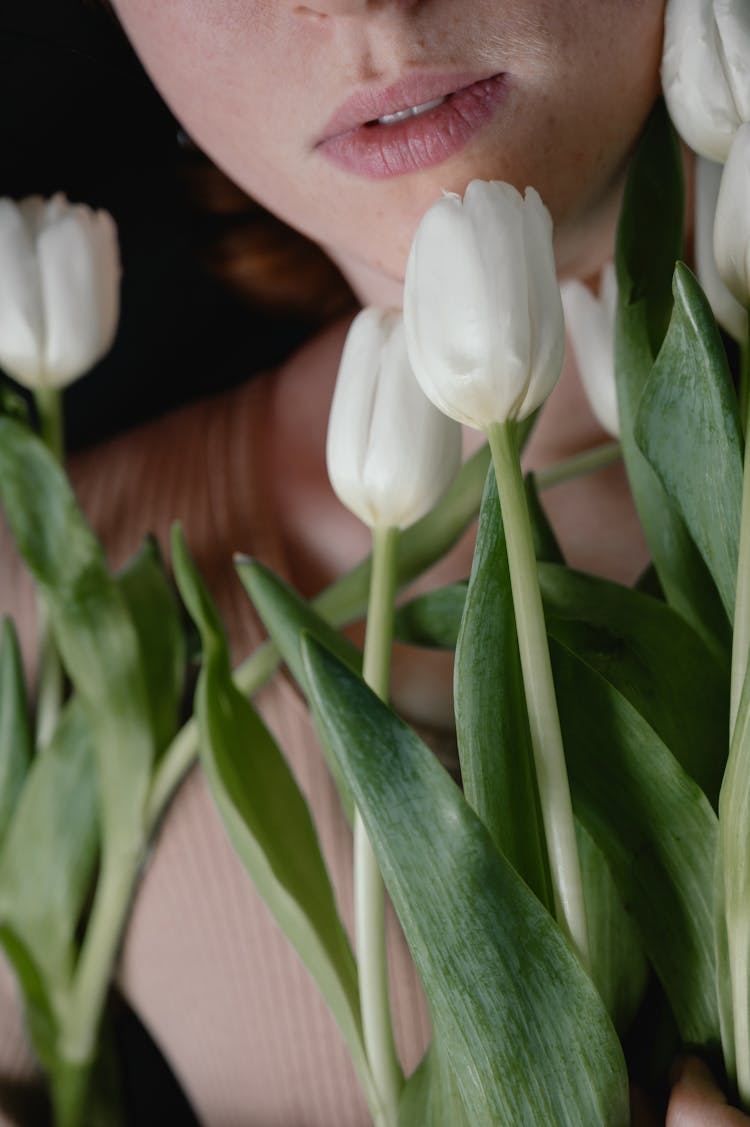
(59, 289)
(391, 455)
(732, 225)
(590, 322)
(727, 310)
(706, 71)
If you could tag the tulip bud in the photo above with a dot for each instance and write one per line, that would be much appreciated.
(59, 289)
(732, 226)
(590, 322)
(728, 312)
(706, 71)
(390, 453)
(482, 309)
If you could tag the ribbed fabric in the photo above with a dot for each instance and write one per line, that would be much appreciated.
(204, 964)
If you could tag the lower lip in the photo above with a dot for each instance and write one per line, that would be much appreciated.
(378, 152)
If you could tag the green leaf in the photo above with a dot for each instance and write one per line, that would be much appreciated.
(618, 964)
(546, 546)
(688, 426)
(517, 1021)
(286, 616)
(91, 624)
(41, 1022)
(16, 741)
(49, 854)
(656, 829)
(647, 651)
(492, 727)
(649, 242)
(266, 816)
(433, 619)
(156, 616)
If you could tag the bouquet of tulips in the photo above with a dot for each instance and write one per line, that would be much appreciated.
(601, 837)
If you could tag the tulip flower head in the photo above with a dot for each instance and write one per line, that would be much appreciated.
(482, 309)
(732, 225)
(590, 322)
(59, 289)
(727, 310)
(706, 71)
(390, 454)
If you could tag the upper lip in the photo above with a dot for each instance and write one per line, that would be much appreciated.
(412, 90)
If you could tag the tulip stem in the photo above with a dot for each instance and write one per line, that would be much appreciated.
(544, 723)
(741, 631)
(585, 462)
(369, 897)
(49, 691)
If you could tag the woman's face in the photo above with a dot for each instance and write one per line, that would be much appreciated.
(287, 98)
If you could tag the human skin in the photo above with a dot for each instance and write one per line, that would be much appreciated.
(255, 83)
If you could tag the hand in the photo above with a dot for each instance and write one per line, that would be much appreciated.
(696, 1101)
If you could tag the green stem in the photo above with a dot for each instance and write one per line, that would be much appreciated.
(369, 896)
(49, 692)
(544, 723)
(587, 461)
(114, 889)
(741, 631)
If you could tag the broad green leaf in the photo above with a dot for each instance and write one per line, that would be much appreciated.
(161, 640)
(546, 546)
(688, 426)
(90, 621)
(518, 1022)
(649, 242)
(733, 898)
(431, 1096)
(267, 818)
(16, 741)
(433, 619)
(492, 727)
(40, 1019)
(618, 964)
(286, 616)
(656, 829)
(49, 854)
(649, 653)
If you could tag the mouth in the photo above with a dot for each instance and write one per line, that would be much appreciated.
(415, 123)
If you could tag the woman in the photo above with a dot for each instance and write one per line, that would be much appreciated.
(346, 118)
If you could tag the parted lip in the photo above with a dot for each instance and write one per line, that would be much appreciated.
(368, 105)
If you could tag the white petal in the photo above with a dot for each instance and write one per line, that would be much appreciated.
(694, 78)
(79, 270)
(591, 329)
(545, 312)
(21, 320)
(732, 226)
(414, 450)
(733, 27)
(727, 310)
(351, 411)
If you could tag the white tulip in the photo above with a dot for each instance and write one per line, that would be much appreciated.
(59, 289)
(590, 322)
(482, 309)
(391, 455)
(732, 226)
(706, 71)
(727, 310)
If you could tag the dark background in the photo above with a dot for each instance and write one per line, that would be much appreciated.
(79, 115)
